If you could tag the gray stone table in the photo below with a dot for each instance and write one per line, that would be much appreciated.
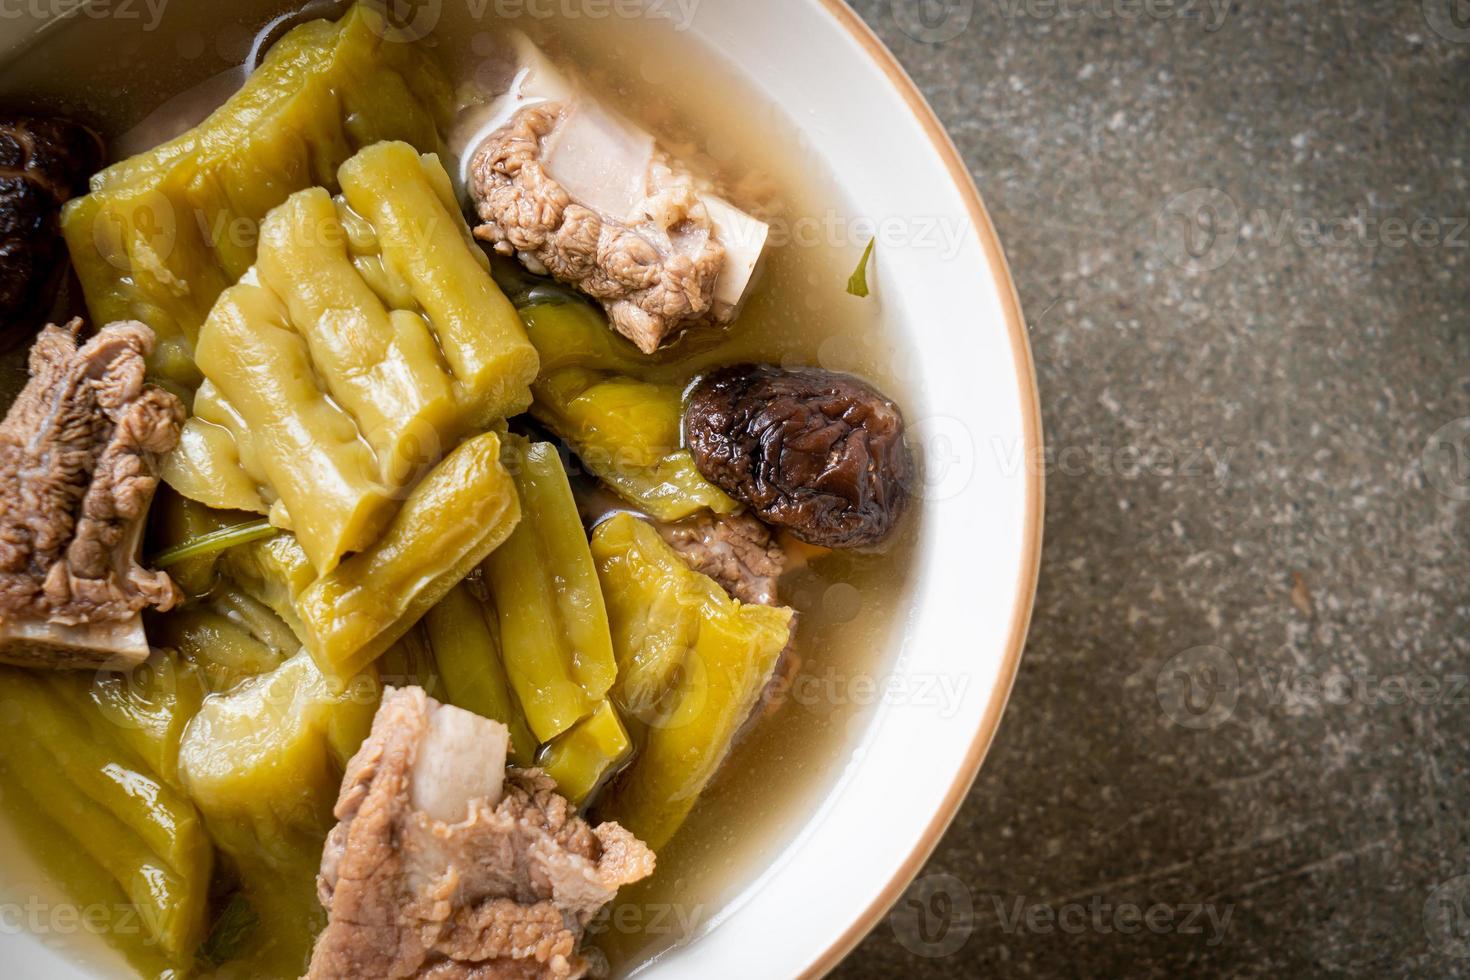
(1237, 745)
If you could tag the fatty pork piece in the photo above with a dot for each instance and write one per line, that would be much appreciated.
(575, 191)
(79, 460)
(445, 865)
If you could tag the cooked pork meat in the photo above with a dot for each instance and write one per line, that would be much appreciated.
(819, 453)
(580, 193)
(737, 551)
(440, 868)
(44, 162)
(79, 459)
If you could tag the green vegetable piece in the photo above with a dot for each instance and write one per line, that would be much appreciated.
(163, 234)
(383, 369)
(468, 655)
(45, 833)
(463, 510)
(635, 424)
(857, 284)
(584, 758)
(692, 663)
(216, 462)
(569, 333)
(309, 447)
(176, 528)
(149, 706)
(222, 651)
(425, 243)
(145, 834)
(257, 619)
(628, 432)
(264, 764)
(357, 354)
(553, 623)
(411, 662)
(211, 544)
(266, 758)
(206, 466)
(274, 572)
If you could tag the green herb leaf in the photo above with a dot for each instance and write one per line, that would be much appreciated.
(857, 284)
(222, 540)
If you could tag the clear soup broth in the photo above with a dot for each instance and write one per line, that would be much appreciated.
(142, 79)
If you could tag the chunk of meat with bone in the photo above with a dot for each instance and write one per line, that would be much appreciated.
(44, 162)
(578, 192)
(445, 865)
(819, 453)
(736, 550)
(79, 460)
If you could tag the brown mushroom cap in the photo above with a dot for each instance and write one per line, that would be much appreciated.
(819, 453)
(44, 162)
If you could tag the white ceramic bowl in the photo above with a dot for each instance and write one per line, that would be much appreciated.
(975, 418)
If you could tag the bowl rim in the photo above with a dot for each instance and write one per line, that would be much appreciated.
(1035, 490)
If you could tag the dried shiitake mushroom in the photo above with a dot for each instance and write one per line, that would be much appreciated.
(819, 453)
(44, 162)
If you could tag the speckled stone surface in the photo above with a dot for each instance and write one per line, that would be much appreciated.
(1238, 741)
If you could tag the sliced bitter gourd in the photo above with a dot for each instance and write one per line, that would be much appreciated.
(164, 233)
